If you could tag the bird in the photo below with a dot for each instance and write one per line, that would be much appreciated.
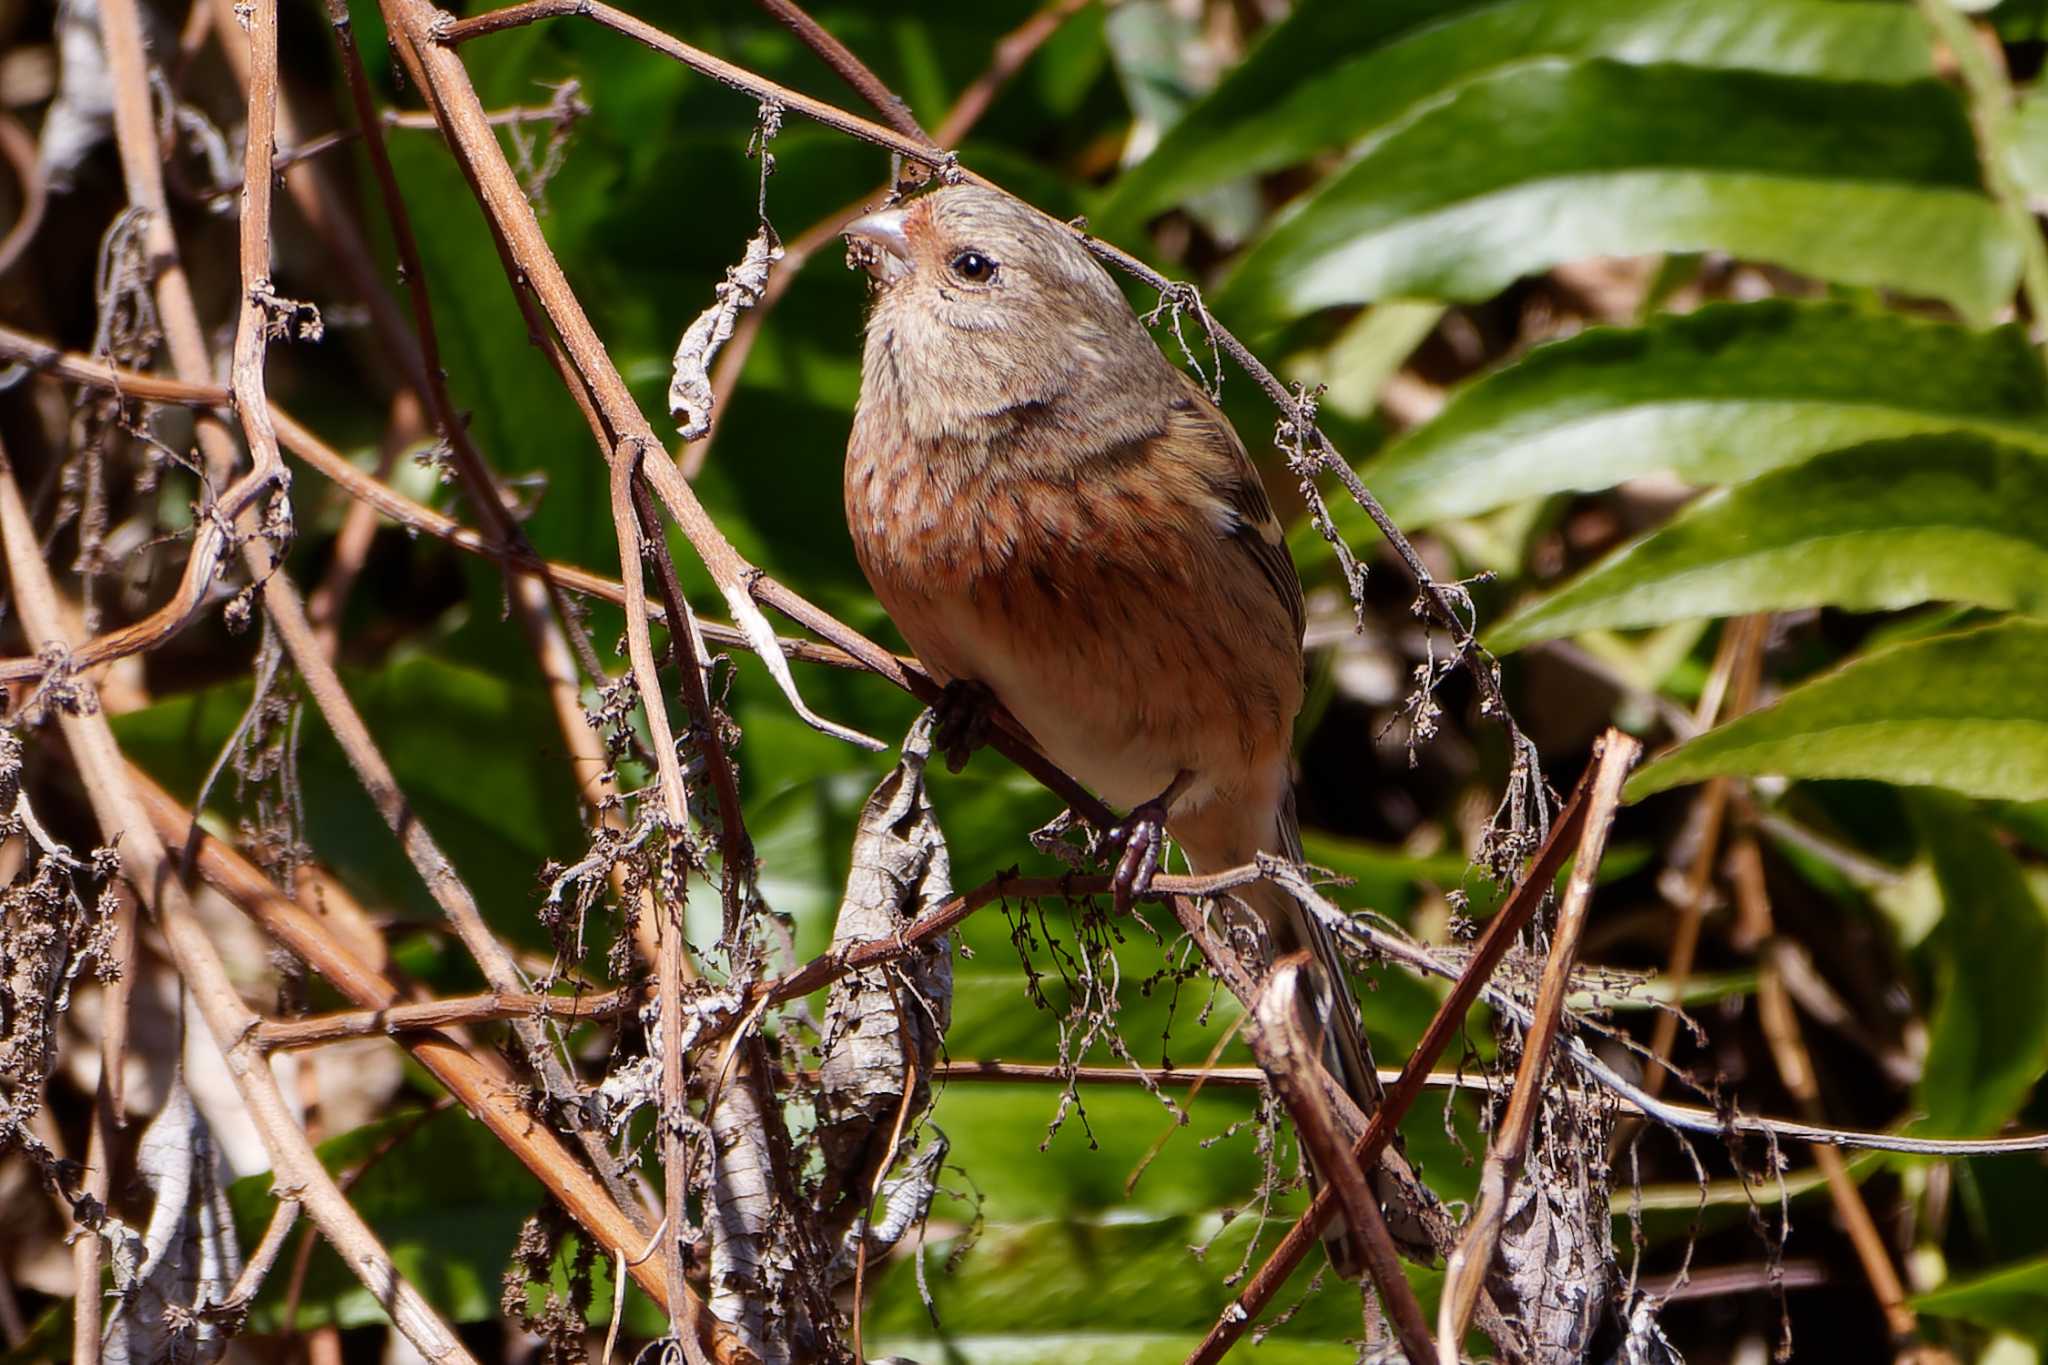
(1059, 518)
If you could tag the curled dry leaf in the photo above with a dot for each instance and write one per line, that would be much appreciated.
(883, 1026)
(1556, 1264)
(689, 391)
(189, 1255)
(756, 1285)
(82, 115)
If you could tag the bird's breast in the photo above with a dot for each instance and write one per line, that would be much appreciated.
(1103, 613)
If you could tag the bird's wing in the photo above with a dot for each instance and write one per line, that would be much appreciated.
(1200, 429)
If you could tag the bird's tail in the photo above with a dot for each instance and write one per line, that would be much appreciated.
(1291, 927)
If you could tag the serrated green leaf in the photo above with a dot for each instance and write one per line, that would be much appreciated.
(1871, 528)
(1719, 395)
(1337, 71)
(1966, 712)
(1987, 1041)
(1855, 182)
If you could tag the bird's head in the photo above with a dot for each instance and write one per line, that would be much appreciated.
(984, 299)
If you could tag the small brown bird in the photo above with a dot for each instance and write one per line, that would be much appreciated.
(1049, 508)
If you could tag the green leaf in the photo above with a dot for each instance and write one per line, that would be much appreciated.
(1871, 528)
(2013, 1298)
(1338, 70)
(479, 759)
(1101, 1290)
(443, 1195)
(1719, 395)
(1856, 182)
(1988, 1038)
(1966, 712)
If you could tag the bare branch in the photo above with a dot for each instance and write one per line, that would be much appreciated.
(121, 817)
(1465, 1273)
(479, 1080)
(1280, 1037)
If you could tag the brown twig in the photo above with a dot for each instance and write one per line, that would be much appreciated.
(117, 807)
(257, 1268)
(1780, 1023)
(1465, 1272)
(848, 67)
(1011, 51)
(913, 145)
(479, 1080)
(685, 634)
(674, 825)
(564, 108)
(328, 601)
(1734, 677)
(318, 1030)
(19, 149)
(425, 31)
(1445, 1025)
(1282, 1044)
(538, 601)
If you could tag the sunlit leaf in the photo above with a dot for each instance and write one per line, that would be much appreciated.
(1966, 712)
(1716, 396)
(1872, 528)
(1336, 71)
(1855, 182)
(1987, 1040)
(2013, 1298)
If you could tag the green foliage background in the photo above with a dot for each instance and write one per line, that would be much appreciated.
(1874, 449)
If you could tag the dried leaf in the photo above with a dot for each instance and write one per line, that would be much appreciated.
(883, 1026)
(689, 391)
(189, 1254)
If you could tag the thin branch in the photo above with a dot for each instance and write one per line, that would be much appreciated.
(915, 146)
(1780, 1023)
(1465, 1272)
(1445, 1025)
(1011, 51)
(258, 1267)
(686, 642)
(19, 149)
(849, 68)
(122, 820)
(674, 825)
(565, 108)
(479, 1080)
(1282, 1044)
(318, 1030)
(1734, 677)
(424, 31)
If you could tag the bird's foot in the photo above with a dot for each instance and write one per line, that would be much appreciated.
(1143, 836)
(962, 717)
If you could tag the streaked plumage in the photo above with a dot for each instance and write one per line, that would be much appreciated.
(1047, 506)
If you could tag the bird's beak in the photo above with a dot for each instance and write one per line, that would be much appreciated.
(877, 244)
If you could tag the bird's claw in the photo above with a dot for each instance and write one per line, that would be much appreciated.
(1143, 836)
(961, 720)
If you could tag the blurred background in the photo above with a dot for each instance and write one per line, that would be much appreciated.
(1695, 337)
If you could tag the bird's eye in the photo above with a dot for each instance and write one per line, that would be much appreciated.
(974, 267)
